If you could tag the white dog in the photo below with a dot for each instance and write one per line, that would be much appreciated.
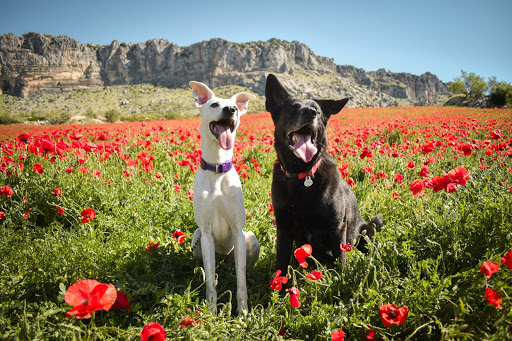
(218, 200)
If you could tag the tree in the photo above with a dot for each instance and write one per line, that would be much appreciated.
(469, 84)
(475, 85)
(500, 92)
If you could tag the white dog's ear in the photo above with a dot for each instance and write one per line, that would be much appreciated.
(242, 101)
(201, 93)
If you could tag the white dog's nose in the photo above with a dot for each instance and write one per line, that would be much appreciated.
(231, 110)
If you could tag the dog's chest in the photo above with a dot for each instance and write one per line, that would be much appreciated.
(218, 198)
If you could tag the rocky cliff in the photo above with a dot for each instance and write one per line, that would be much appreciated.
(36, 63)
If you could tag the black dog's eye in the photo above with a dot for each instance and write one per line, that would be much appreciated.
(296, 106)
(214, 105)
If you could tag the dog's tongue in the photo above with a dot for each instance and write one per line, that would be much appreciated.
(304, 147)
(226, 137)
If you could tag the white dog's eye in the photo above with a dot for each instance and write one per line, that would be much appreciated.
(214, 105)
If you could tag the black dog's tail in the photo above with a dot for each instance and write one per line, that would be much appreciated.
(371, 228)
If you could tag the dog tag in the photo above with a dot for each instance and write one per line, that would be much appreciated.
(308, 182)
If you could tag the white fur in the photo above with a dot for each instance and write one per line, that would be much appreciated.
(218, 200)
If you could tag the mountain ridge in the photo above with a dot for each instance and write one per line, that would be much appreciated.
(34, 64)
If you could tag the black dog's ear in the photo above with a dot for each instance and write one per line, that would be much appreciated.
(275, 94)
(331, 107)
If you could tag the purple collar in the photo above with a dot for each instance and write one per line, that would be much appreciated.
(217, 167)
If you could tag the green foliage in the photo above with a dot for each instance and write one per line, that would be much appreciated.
(112, 115)
(458, 87)
(474, 85)
(7, 118)
(501, 93)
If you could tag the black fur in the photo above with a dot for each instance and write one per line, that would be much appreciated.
(325, 214)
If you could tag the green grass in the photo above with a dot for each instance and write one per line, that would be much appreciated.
(426, 257)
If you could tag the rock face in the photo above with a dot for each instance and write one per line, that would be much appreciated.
(36, 63)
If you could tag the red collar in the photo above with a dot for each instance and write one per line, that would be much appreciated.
(303, 174)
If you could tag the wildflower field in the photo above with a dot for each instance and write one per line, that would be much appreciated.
(96, 223)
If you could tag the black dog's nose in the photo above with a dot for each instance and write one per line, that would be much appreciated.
(229, 110)
(309, 111)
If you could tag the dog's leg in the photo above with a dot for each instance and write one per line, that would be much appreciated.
(343, 259)
(284, 251)
(208, 251)
(252, 246)
(240, 265)
(196, 245)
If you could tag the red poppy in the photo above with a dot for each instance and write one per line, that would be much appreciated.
(507, 260)
(177, 188)
(27, 214)
(459, 175)
(187, 321)
(24, 137)
(346, 247)
(390, 314)
(57, 192)
(398, 178)
(87, 215)
(158, 175)
(278, 281)
(493, 297)
(351, 183)
(338, 335)
(88, 296)
(395, 195)
(2, 215)
(417, 188)
(424, 172)
(38, 168)
(152, 246)
(152, 332)
(314, 275)
(60, 210)
(83, 170)
(190, 194)
(371, 336)
(451, 187)
(121, 301)
(489, 267)
(294, 297)
(6, 191)
(410, 165)
(178, 236)
(68, 170)
(302, 253)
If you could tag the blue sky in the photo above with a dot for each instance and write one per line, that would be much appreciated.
(441, 37)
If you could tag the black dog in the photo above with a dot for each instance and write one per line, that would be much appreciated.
(312, 203)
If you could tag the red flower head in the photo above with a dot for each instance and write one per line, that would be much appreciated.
(314, 275)
(398, 178)
(346, 247)
(410, 165)
(302, 253)
(6, 191)
(60, 210)
(152, 332)
(276, 283)
(507, 260)
(69, 170)
(417, 188)
(38, 168)
(424, 171)
(24, 137)
(459, 175)
(338, 335)
(152, 246)
(294, 297)
(187, 321)
(121, 301)
(489, 267)
(390, 314)
(88, 296)
(493, 297)
(178, 236)
(87, 215)
(57, 192)
(2, 215)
